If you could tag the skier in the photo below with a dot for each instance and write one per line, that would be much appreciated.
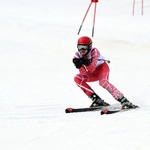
(93, 67)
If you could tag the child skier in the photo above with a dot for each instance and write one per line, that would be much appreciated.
(92, 67)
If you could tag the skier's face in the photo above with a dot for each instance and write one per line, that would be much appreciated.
(83, 51)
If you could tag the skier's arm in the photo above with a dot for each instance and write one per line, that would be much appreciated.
(95, 56)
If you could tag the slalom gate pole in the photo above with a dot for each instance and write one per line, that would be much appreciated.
(94, 20)
(84, 17)
(133, 7)
(142, 7)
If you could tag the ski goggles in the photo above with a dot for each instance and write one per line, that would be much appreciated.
(82, 47)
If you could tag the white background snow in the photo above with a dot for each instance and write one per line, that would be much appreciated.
(37, 42)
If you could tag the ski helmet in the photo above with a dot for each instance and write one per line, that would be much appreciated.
(84, 41)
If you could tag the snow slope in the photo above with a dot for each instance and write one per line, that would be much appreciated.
(37, 43)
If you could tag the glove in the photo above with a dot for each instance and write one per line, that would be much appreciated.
(86, 62)
(77, 62)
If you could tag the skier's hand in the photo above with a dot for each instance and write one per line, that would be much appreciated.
(86, 62)
(77, 62)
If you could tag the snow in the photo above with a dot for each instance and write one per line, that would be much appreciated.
(37, 43)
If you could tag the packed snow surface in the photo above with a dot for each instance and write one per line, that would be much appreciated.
(37, 42)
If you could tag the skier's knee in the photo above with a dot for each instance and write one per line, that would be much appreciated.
(77, 79)
(103, 83)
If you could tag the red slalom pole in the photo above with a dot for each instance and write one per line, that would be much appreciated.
(94, 20)
(142, 7)
(94, 1)
(133, 7)
(84, 17)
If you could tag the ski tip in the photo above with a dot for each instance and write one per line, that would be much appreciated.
(68, 110)
(105, 111)
(134, 107)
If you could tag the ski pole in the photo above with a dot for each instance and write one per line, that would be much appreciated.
(108, 61)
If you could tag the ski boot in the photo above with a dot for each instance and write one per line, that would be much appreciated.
(97, 101)
(126, 104)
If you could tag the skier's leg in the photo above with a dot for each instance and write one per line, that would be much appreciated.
(81, 81)
(104, 82)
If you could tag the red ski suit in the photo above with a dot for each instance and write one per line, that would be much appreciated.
(98, 70)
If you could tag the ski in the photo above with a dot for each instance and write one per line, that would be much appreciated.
(114, 108)
(87, 109)
(73, 110)
(107, 111)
